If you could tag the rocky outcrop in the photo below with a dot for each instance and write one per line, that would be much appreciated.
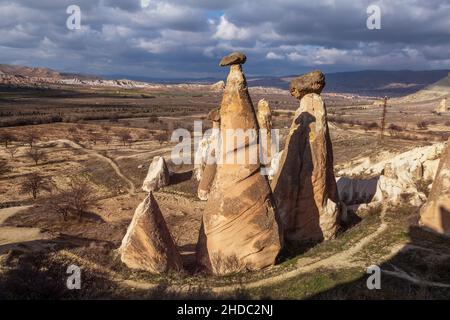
(312, 82)
(239, 221)
(435, 215)
(274, 165)
(304, 187)
(148, 244)
(442, 106)
(158, 175)
(208, 165)
(264, 117)
(234, 58)
(218, 86)
(394, 180)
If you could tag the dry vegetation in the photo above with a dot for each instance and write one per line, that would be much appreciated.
(78, 159)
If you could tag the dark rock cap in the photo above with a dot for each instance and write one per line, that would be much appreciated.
(233, 58)
(312, 82)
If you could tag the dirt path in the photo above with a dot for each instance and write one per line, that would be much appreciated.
(10, 236)
(344, 259)
(131, 188)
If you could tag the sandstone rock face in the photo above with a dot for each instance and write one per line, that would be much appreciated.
(239, 221)
(148, 244)
(218, 86)
(233, 58)
(435, 215)
(274, 165)
(312, 82)
(393, 180)
(304, 187)
(158, 175)
(264, 117)
(206, 153)
(442, 106)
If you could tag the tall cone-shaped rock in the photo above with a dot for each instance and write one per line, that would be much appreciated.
(210, 165)
(304, 187)
(148, 244)
(239, 221)
(264, 117)
(435, 215)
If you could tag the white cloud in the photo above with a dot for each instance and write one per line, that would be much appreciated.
(226, 30)
(274, 56)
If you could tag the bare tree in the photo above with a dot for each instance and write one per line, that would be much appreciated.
(125, 137)
(106, 129)
(76, 199)
(94, 137)
(107, 139)
(4, 167)
(153, 118)
(30, 138)
(36, 155)
(162, 137)
(144, 135)
(6, 138)
(12, 150)
(72, 130)
(34, 183)
(422, 125)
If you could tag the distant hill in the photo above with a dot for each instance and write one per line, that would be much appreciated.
(436, 90)
(368, 82)
(28, 71)
(39, 72)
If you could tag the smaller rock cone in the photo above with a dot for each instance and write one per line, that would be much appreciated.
(442, 106)
(264, 117)
(435, 215)
(209, 167)
(158, 175)
(148, 244)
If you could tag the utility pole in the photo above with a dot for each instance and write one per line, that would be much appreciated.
(383, 118)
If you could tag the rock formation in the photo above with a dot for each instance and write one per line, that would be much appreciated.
(218, 86)
(304, 187)
(435, 215)
(158, 175)
(148, 244)
(209, 164)
(442, 106)
(264, 117)
(312, 82)
(393, 180)
(240, 230)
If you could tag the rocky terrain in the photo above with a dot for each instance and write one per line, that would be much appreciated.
(341, 196)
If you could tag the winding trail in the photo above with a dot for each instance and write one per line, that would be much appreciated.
(12, 236)
(131, 188)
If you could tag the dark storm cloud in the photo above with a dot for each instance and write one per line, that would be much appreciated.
(186, 38)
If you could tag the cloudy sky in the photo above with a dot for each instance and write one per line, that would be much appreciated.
(187, 38)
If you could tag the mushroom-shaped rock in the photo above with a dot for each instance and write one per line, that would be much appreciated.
(240, 229)
(148, 244)
(233, 58)
(435, 215)
(312, 82)
(304, 186)
(158, 175)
